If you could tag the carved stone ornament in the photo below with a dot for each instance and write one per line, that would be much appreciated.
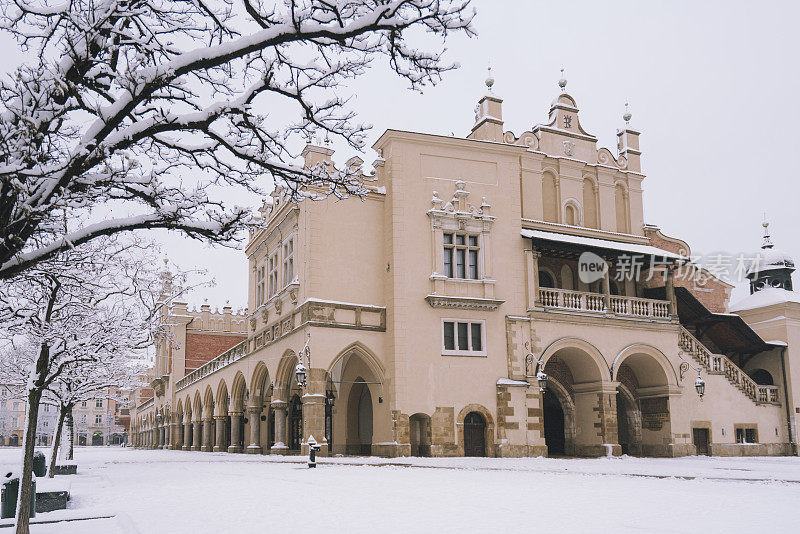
(264, 314)
(253, 322)
(293, 296)
(569, 148)
(278, 305)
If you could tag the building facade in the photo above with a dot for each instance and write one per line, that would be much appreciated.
(493, 295)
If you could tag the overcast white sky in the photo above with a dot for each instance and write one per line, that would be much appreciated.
(714, 88)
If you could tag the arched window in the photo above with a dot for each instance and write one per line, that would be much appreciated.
(621, 206)
(550, 201)
(590, 219)
(546, 279)
(570, 215)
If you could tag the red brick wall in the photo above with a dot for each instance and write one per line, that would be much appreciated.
(710, 291)
(202, 348)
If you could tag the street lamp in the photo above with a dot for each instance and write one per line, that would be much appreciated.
(541, 376)
(300, 370)
(699, 384)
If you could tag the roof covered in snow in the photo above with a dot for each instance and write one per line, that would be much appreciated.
(766, 297)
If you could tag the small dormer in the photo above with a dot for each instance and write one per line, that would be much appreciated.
(563, 135)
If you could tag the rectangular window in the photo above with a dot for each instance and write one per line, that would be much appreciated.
(746, 435)
(98, 419)
(260, 276)
(98, 403)
(463, 337)
(449, 336)
(461, 256)
(273, 274)
(83, 404)
(83, 419)
(288, 261)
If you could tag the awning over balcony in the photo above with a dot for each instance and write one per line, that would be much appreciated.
(600, 244)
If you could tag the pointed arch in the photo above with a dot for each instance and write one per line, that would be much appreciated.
(187, 416)
(369, 357)
(221, 406)
(259, 384)
(208, 402)
(197, 411)
(238, 392)
(285, 372)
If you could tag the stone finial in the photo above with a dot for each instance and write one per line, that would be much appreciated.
(767, 240)
(489, 79)
(627, 115)
(562, 83)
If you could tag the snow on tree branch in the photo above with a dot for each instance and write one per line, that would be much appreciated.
(129, 101)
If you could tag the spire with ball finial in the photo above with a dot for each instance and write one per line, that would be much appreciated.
(767, 240)
(627, 115)
(562, 83)
(489, 79)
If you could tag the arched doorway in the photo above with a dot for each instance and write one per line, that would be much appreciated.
(97, 438)
(761, 377)
(365, 421)
(643, 420)
(13, 440)
(420, 434)
(295, 423)
(554, 436)
(474, 435)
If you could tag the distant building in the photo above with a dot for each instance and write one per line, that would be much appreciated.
(100, 421)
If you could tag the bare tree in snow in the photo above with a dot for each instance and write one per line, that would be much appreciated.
(144, 105)
(80, 312)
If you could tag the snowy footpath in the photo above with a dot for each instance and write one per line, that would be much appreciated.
(138, 491)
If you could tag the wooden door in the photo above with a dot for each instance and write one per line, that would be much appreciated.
(474, 435)
(700, 438)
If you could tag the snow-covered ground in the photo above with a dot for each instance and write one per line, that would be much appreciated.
(193, 492)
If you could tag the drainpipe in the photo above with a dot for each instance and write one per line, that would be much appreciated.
(787, 401)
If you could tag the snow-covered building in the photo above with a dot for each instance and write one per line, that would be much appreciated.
(498, 294)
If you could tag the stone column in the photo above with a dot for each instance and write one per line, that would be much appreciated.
(208, 434)
(281, 416)
(596, 419)
(607, 287)
(157, 437)
(175, 429)
(254, 416)
(314, 411)
(236, 432)
(669, 287)
(219, 443)
(196, 433)
(164, 435)
(532, 264)
(187, 432)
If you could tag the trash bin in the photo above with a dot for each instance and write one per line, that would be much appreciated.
(39, 464)
(9, 494)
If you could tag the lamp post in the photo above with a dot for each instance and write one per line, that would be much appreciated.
(300, 370)
(699, 384)
(541, 376)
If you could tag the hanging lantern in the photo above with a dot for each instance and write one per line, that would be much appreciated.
(700, 386)
(300, 374)
(330, 397)
(541, 377)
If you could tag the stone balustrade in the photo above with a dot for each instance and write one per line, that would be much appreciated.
(719, 364)
(566, 299)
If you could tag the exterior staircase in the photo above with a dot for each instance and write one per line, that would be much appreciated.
(719, 364)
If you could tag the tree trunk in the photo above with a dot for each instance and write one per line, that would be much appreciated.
(56, 442)
(71, 435)
(25, 494)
